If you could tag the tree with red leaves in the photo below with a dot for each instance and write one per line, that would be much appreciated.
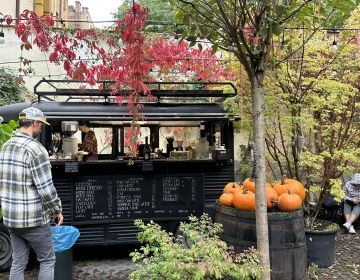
(127, 59)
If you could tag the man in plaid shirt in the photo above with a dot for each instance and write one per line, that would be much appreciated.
(28, 196)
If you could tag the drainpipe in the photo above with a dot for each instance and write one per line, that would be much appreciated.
(61, 8)
(17, 8)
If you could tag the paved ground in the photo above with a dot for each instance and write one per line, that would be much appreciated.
(347, 260)
(95, 263)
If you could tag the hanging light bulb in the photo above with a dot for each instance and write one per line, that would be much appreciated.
(2, 37)
(154, 73)
(191, 74)
(334, 46)
(30, 71)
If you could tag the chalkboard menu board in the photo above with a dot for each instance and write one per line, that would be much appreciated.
(131, 197)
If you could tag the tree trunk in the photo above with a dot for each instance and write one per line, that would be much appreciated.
(262, 231)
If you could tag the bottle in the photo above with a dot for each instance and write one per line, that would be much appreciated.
(146, 150)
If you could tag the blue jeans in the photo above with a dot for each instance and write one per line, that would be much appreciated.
(39, 239)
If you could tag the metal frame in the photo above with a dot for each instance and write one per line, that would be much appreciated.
(158, 92)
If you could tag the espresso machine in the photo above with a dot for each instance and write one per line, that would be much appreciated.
(69, 141)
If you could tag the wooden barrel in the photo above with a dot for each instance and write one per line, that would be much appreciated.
(286, 238)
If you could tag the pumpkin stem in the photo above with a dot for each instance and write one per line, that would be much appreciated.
(283, 177)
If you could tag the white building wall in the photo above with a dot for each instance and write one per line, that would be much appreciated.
(10, 52)
(8, 7)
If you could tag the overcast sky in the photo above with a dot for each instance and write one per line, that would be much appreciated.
(100, 9)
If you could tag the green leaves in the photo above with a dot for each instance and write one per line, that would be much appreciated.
(10, 90)
(165, 256)
(7, 130)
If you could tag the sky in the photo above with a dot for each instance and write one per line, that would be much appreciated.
(100, 9)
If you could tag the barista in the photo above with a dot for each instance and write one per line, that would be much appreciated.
(89, 143)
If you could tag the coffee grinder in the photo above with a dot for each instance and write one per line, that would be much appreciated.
(69, 141)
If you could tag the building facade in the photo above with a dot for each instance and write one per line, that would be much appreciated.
(79, 17)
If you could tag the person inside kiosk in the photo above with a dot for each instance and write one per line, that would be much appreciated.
(89, 143)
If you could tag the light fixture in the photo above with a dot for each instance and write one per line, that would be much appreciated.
(191, 74)
(154, 74)
(2, 35)
(334, 46)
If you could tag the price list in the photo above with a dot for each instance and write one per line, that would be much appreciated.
(131, 197)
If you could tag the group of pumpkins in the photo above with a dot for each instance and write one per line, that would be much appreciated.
(286, 195)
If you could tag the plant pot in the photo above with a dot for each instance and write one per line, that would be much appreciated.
(321, 245)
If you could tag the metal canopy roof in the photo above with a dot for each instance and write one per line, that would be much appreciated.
(174, 101)
(111, 111)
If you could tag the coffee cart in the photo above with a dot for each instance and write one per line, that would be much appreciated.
(103, 197)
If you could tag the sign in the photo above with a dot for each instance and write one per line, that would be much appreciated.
(131, 197)
(71, 167)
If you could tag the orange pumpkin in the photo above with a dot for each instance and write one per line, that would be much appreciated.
(292, 185)
(232, 187)
(271, 196)
(249, 184)
(297, 187)
(244, 200)
(226, 199)
(289, 202)
(280, 187)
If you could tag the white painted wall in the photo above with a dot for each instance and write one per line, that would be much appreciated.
(10, 52)
(8, 7)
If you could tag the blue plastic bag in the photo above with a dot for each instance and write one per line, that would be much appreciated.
(64, 237)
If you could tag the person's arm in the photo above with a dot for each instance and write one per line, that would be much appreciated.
(40, 169)
(91, 143)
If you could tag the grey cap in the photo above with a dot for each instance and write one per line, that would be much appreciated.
(33, 114)
(355, 179)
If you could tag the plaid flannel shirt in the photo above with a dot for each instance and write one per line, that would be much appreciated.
(351, 191)
(28, 196)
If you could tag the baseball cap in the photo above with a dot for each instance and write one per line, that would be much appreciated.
(34, 114)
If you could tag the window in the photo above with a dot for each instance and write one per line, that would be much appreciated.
(183, 136)
(104, 138)
(144, 132)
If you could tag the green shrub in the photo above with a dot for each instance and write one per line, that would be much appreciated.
(198, 253)
(7, 130)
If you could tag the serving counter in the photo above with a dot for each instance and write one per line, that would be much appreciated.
(102, 197)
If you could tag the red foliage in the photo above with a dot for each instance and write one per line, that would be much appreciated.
(128, 65)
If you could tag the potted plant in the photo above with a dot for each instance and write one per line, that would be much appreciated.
(203, 256)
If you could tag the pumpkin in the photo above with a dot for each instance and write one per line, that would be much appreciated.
(289, 202)
(297, 187)
(271, 196)
(226, 199)
(249, 184)
(232, 187)
(292, 185)
(244, 200)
